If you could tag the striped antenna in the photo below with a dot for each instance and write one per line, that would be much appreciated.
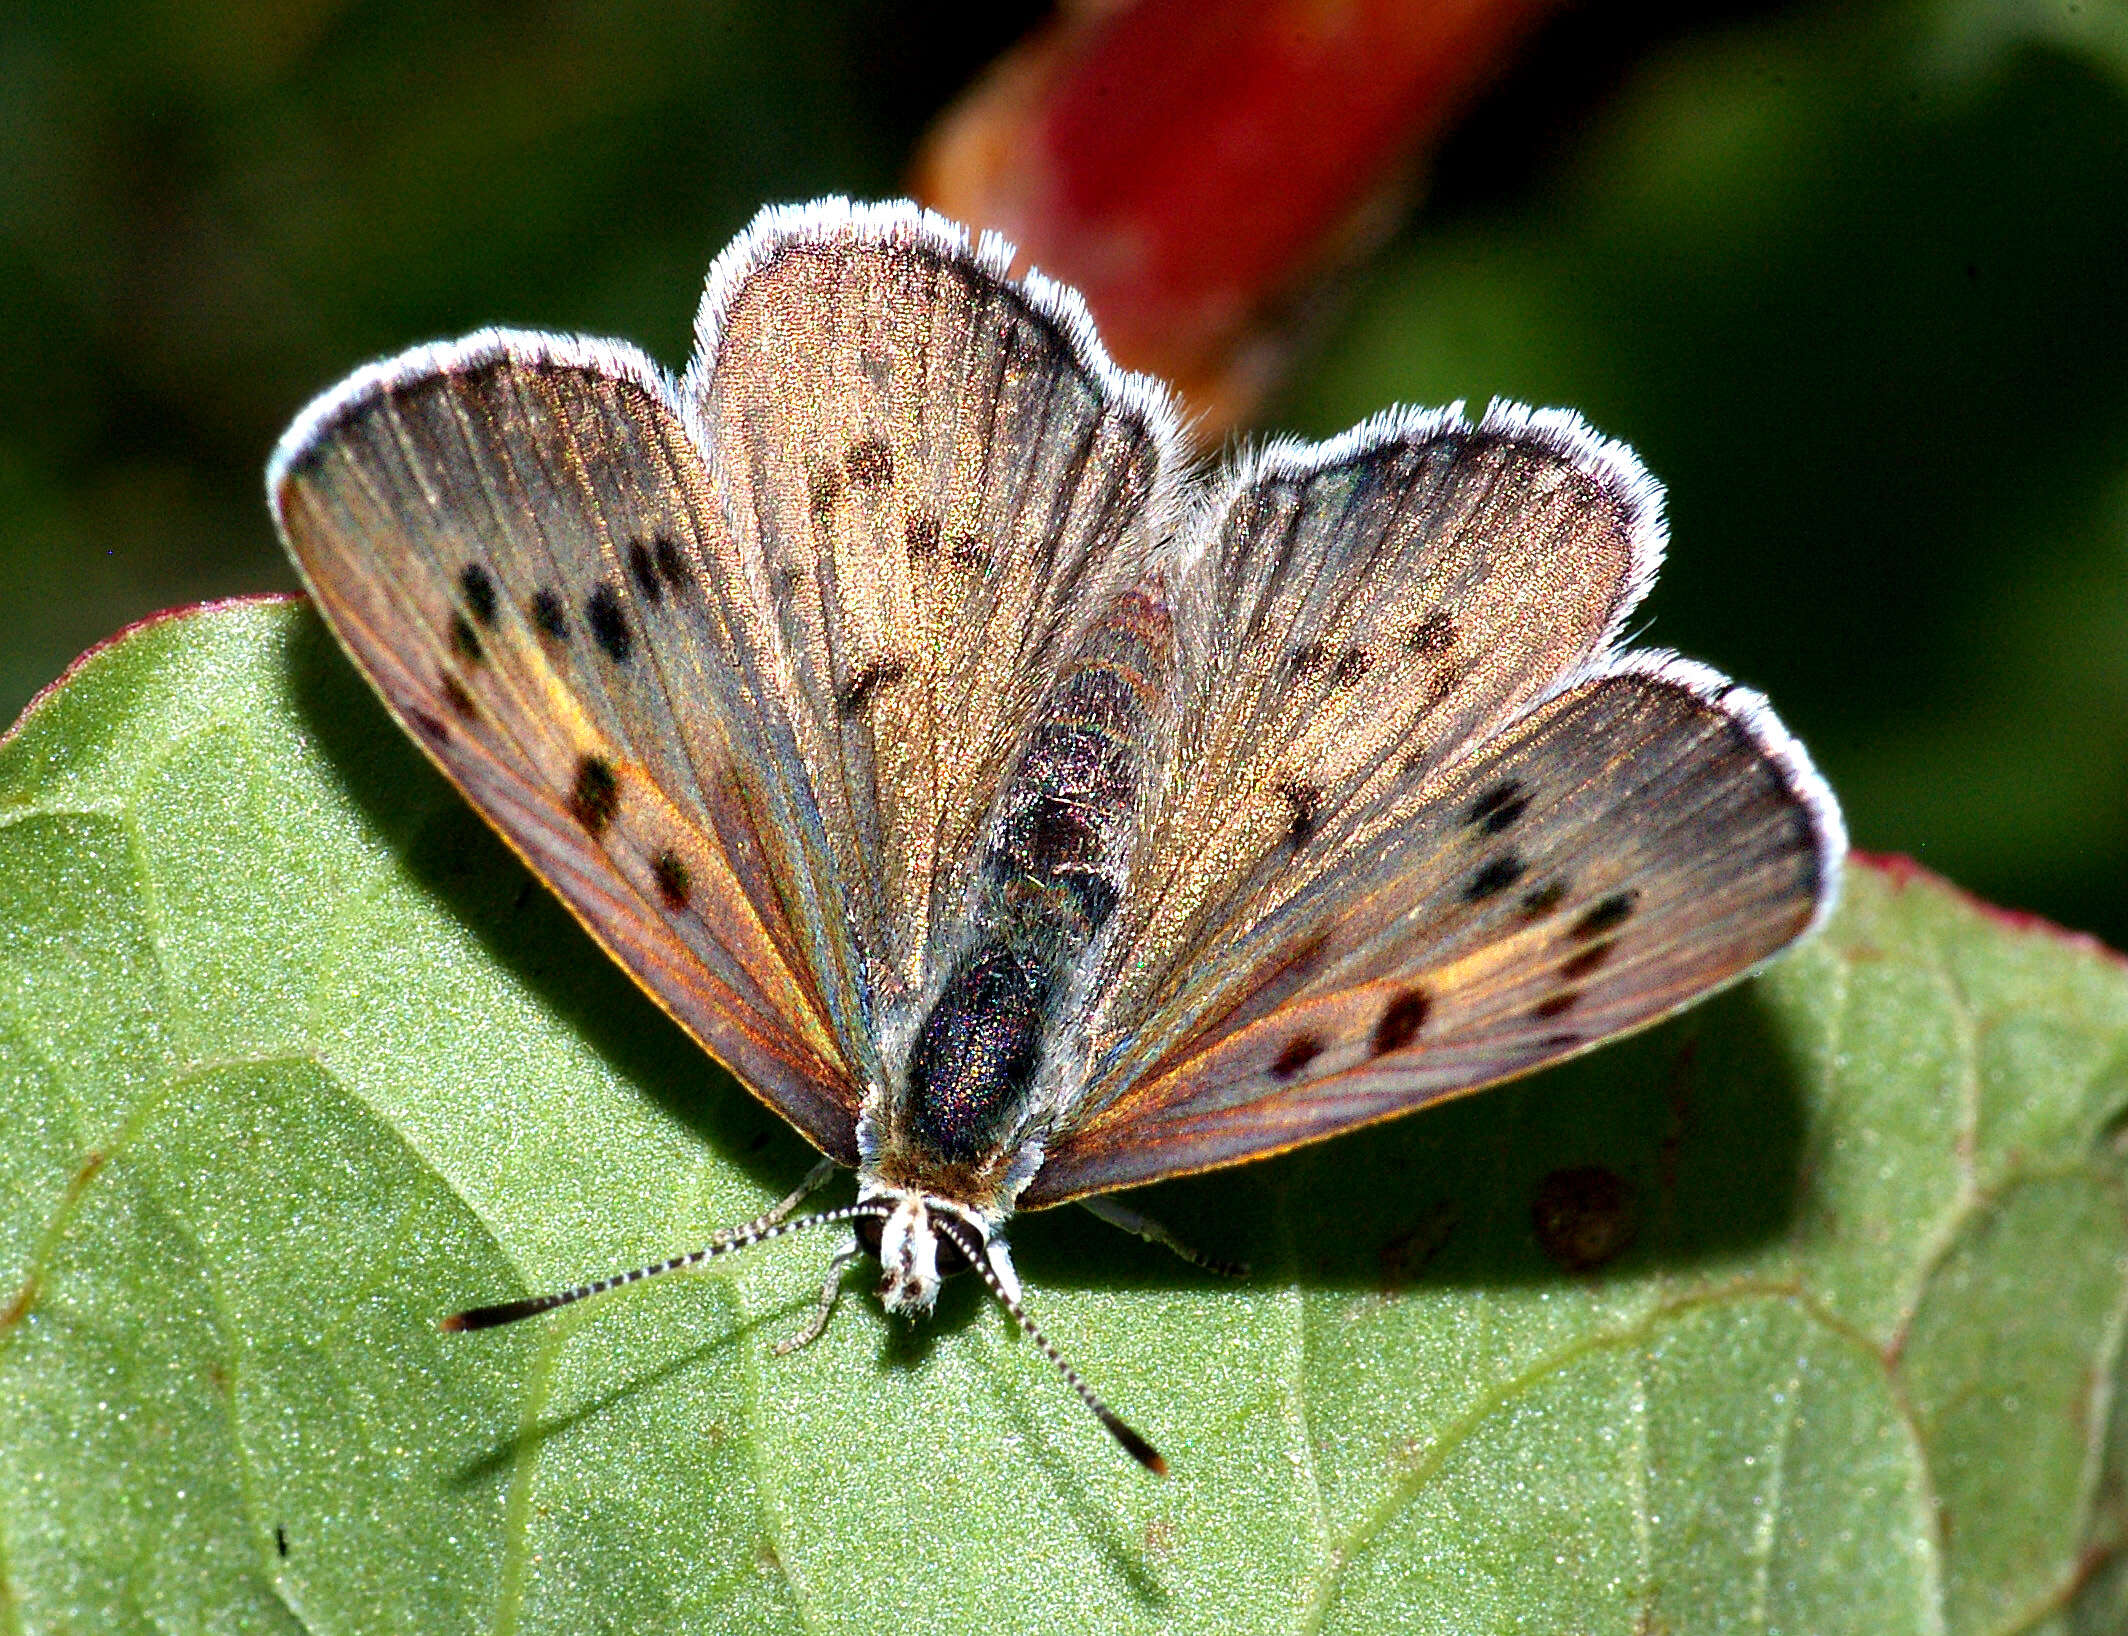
(1133, 1445)
(508, 1312)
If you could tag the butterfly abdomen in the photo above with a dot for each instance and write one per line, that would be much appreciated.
(1051, 876)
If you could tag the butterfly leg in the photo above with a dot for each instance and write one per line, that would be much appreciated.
(815, 1179)
(1119, 1215)
(830, 1293)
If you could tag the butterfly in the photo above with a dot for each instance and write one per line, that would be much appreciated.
(1021, 813)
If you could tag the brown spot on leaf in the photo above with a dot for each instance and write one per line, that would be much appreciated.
(1584, 1217)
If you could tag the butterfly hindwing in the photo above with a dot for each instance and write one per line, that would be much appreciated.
(518, 539)
(946, 483)
(1628, 846)
(1360, 612)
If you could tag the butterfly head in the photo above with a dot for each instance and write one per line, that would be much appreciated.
(919, 1239)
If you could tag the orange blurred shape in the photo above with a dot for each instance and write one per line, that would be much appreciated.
(1197, 167)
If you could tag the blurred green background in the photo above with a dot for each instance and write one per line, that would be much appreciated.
(1853, 278)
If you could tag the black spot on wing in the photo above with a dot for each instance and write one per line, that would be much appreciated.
(969, 551)
(1557, 1005)
(466, 640)
(454, 691)
(1587, 960)
(1354, 664)
(1540, 901)
(478, 588)
(1401, 1020)
(859, 691)
(609, 624)
(429, 727)
(826, 492)
(1436, 633)
(1306, 804)
(674, 887)
(1299, 1051)
(549, 615)
(1607, 914)
(672, 563)
(922, 532)
(596, 795)
(870, 462)
(1494, 878)
(1499, 807)
(1309, 657)
(645, 571)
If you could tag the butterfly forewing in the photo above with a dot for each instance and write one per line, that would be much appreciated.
(1643, 838)
(947, 483)
(519, 541)
(1362, 613)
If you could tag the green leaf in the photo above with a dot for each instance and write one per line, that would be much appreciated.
(1803, 1313)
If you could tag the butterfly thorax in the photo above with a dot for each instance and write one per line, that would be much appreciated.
(965, 1116)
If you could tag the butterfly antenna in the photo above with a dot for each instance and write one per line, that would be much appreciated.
(509, 1312)
(1134, 1445)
